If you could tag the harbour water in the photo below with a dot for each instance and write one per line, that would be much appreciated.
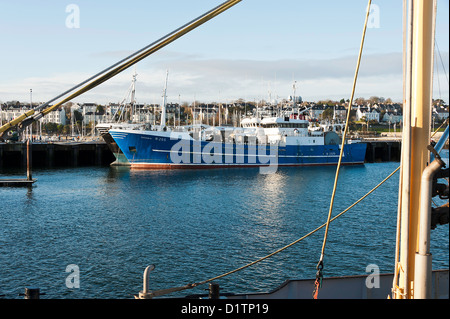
(111, 222)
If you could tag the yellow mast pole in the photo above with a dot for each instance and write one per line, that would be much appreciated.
(405, 168)
(421, 99)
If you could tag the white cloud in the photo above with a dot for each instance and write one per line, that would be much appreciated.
(208, 80)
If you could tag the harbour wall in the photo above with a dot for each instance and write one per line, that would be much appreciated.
(387, 148)
(383, 150)
(56, 154)
(71, 154)
(97, 153)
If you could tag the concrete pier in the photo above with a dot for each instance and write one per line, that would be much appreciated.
(383, 150)
(56, 154)
(14, 182)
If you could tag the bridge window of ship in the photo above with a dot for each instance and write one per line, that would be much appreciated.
(285, 125)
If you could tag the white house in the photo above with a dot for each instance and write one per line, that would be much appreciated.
(440, 112)
(89, 107)
(10, 113)
(370, 114)
(316, 111)
(392, 117)
(340, 112)
(57, 116)
(144, 115)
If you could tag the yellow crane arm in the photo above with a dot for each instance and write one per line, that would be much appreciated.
(16, 121)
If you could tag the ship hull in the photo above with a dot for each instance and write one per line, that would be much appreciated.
(162, 150)
(121, 159)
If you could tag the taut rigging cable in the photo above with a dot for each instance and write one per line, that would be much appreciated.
(320, 264)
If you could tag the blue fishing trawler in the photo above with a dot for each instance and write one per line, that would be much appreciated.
(286, 139)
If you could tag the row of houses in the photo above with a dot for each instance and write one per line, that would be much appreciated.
(149, 113)
(379, 113)
(94, 113)
(10, 112)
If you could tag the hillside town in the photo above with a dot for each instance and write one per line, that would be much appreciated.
(80, 119)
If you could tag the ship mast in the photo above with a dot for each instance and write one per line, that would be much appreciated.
(133, 97)
(415, 156)
(163, 109)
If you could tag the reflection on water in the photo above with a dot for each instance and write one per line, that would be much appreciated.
(269, 193)
(112, 222)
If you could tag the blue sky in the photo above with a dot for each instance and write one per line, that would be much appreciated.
(254, 51)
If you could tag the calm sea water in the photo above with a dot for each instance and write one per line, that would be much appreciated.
(193, 225)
